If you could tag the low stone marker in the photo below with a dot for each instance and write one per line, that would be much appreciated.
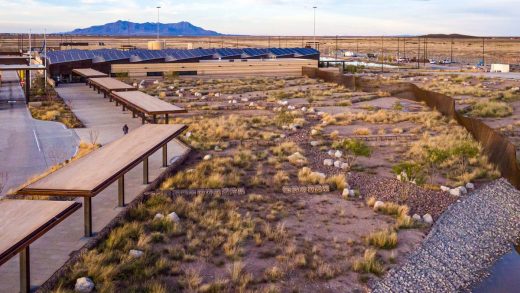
(311, 189)
(231, 191)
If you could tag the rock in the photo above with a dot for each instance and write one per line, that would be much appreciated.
(291, 107)
(416, 217)
(463, 189)
(234, 101)
(330, 152)
(455, 192)
(207, 157)
(328, 162)
(428, 219)
(217, 148)
(345, 166)
(244, 99)
(230, 97)
(337, 164)
(311, 110)
(346, 192)
(283, 103)
(158, 216)
(378, 204)
(338, 154)
(314, 131)
(319, 174)
(470, 185)
(155, 82)
(188, 134)
(173, 217)
(84, 285)
(217, 95)
(315, 143)
(515, 89)
(251, 104)
(352, 192)
(304, 109)
(445, 188)
(134, 253)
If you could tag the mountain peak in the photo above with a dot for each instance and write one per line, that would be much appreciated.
(128, 28)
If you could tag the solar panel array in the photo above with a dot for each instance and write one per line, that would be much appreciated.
(172, 55)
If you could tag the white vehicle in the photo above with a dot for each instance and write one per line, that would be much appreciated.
(433, 62)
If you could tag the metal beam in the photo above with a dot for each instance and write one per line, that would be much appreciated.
(87, 215)
(25, 271)
(121, 191)
(165, 155)
(145, 171)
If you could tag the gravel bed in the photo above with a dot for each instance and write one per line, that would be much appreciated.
(463, 244)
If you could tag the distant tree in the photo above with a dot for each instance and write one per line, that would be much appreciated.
(433, 159)
(353, 148)
(465, 151)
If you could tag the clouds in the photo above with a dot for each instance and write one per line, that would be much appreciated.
(275, 17)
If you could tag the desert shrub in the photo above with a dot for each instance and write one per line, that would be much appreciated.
(214, 173)
(369, 263)
(410, 172)
(362, 131)
(491, 109)
(353, 148)
(385, 239)
(307, 176)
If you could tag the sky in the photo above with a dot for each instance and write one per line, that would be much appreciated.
(275, 17)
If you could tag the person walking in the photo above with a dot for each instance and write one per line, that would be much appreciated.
(125, 129)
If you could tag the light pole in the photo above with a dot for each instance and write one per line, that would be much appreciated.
(158, 7)
(314, 34)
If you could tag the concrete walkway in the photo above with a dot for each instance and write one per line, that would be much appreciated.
(28, 146)
(463, 244)
(51, 251)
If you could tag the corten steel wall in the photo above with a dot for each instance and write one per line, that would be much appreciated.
(496, 146)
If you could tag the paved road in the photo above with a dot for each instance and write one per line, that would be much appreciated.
(28, 146)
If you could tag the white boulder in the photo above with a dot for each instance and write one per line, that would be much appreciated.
(207, 157)
(337, 164)
(328, 162)
(416, 217)
(134, 253)
(470, 185)
(244, 99)
(173, 217)
(346, 192)
(315, 143)
(84, 285)
(455, 192)
(338, 154)
(378, 204)
(330, 152)
(428, 219)
(345, 166)
(314, 131)
(158, 216)
(445, 188)
(463, 189)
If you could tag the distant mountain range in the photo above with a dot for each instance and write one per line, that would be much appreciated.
(445, 36)
(128, 28)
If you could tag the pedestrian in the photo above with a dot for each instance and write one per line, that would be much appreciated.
(125, 129)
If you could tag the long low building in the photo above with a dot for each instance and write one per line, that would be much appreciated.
(219, 67)
(62, 63)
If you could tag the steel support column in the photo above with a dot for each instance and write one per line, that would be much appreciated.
(87, 215)
(165, 155)
(145, 171)
(25, 271)
(121, 191)
(166, 119)
(27, 86)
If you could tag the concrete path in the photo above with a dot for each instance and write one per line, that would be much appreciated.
(28, 146)
(463, 244)
(51, 251)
